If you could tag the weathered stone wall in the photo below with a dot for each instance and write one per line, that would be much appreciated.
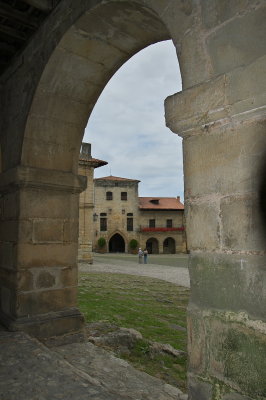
(160, 218)
(222, 122)
(86, 204)
(116, 210)
(46, 98)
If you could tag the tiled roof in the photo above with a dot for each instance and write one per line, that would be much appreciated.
(116, 179)
(160, 203)
(93, 162)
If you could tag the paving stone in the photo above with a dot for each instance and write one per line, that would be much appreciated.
(82, 371)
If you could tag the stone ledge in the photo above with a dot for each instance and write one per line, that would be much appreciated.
(226, 99)
(37, 178)
(45, 326)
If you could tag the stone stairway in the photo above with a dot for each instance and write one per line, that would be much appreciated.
(31, 371)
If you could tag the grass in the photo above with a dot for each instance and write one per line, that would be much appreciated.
(155, 308)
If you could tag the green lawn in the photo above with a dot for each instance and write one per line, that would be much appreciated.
(155, 308)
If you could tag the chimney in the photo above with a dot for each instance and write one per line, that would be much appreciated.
(85, 152)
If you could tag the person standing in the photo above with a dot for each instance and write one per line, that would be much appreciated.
(145, 255)
(140, 253)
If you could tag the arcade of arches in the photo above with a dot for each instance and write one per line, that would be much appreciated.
(47, 94)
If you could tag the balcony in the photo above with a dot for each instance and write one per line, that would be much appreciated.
(162, 229)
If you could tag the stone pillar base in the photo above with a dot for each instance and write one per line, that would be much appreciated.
(46, 326)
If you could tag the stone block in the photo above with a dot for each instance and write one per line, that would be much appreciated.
(69, 276)
(70, 229)
(80, 77)
(196, 343)
(9, 231)
(196, 106)
(209, 160)
(45, 301)
(247, 86)
(45, 255)
(8, 255)
(11, 205)
(25, 280)
(241, 224)
(52, 106)
(202, 226)
(238, 42)
(48, 231)
(45, 280)
(48, 204)
(241, 352)
(198, 389)
(192, 48)
(25, 231)
(6, 300)
(52, 155)
(215, 12)
(233, 282)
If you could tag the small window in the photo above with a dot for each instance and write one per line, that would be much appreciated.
(103, 224)
(103, 214)
(123, 195)
(130, 214)
(109, 195)
(169, 223)
(130, 224)
(151, 223)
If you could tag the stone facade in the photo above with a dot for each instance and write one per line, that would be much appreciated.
(120, 215)
(47, 94)
(87, 164)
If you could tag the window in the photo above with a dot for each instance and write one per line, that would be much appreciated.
(151, 223)
(109, 195)
(103, 214)
(123, 195)
(129, 224)
(130, 214)
(169, 223)
(103, 224)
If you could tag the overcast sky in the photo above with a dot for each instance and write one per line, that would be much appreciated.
(127, 126)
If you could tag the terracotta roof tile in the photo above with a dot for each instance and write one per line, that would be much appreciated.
(116, 178)
(160, 203)
(93, 162)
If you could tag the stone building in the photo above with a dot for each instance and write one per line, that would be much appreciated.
(52, 73)
(120, 215)
(87, 164)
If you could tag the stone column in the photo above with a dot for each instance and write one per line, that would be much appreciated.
(222, 122)
(39, 233)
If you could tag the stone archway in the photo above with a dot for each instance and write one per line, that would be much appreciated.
(116, 244)
(49, 92)
(169, 246)
(152, 246)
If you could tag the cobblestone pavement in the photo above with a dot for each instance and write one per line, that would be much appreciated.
(80, 371)
(177, 275)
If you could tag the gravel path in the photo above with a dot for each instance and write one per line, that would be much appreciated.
(177, 275)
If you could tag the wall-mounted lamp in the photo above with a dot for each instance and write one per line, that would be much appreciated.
(95, 217)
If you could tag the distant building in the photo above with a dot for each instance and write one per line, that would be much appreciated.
(86, 167)
(120, 215)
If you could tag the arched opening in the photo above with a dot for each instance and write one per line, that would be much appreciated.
(116, 244)
(169, 246)
(152, 246)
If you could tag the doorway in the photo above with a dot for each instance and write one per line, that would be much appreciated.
(116, 244)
